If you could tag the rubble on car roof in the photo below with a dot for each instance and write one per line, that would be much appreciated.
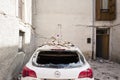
(57, 42)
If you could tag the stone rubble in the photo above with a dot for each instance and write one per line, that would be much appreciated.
(105, 69)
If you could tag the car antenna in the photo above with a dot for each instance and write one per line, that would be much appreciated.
(59, 35)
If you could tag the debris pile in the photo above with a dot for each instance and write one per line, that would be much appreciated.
(105, 69)
(57, 42)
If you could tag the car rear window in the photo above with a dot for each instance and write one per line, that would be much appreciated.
(59, 59)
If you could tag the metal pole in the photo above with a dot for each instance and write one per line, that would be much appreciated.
(93, 33)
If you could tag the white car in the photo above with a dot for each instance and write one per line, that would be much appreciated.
(56, 62)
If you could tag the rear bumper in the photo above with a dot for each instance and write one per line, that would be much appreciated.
(30, 78)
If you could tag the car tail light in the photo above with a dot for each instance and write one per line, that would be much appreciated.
(28, 72)
(86, 74)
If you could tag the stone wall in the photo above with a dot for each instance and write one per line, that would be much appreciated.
(11, 60)
(70, 18)
(114, 39)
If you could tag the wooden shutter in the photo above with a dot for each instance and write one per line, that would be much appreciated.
(112, 7)
(98, 15)
(108, 15)
(20, 9)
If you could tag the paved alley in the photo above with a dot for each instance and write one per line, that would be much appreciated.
(105, 70)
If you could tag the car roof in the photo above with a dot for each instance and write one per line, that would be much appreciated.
(58, 47)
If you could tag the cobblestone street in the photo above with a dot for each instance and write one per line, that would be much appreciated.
(105, 70)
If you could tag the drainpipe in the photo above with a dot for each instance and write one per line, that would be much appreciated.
(93, 29)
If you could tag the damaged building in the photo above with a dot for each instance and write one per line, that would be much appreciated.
(92, 25)
(16, 36)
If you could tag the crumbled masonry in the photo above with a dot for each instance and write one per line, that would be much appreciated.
(105, 70)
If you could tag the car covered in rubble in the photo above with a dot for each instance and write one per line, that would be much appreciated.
(57, 62)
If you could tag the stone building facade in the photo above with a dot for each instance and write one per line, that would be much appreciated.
(68, 18)
(16, 36)
(92, 25)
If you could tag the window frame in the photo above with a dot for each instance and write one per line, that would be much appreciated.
(21, 9)
(106, 14)
(21, 41)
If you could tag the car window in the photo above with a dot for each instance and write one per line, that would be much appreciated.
(59, 59)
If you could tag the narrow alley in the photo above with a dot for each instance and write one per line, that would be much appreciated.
(91, 25)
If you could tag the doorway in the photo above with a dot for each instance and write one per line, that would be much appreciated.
(102, 43)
